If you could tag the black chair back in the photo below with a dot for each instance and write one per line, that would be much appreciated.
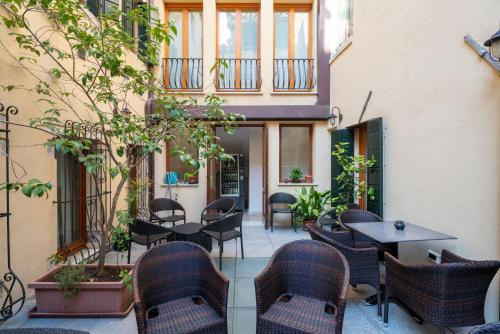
(282, 198)
(165, 204)
(227, 223)
(142, 227)
(224, 204)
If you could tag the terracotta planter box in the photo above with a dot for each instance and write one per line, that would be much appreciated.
(95, 299)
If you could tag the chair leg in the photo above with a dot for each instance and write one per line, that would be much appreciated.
(386, 310)
(272, 221)
(241, 242)
(220, 254)
(379, 305)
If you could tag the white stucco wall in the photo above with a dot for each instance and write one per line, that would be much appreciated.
(255, 186)
(440, 104)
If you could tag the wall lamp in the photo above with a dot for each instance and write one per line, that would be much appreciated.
(333, 117)
(493, 55)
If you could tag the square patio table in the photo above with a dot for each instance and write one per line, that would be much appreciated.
(192, 232)
(386, 233)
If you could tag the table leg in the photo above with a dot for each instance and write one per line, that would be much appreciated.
(372, 300)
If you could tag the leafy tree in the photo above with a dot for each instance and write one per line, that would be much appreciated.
(351, 187)
(83, 71)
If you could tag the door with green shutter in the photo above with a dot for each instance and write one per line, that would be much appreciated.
(375, 175)
(338, 136)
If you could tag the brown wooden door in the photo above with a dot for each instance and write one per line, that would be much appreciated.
(265, 194)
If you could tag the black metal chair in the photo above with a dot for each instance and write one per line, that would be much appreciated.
(145, 233)
(280, 203)
(218, 209)
(160, 205)
(224, 229)
(329, 218)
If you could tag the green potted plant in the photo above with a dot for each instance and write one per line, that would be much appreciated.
(296, 175)
(310, 203)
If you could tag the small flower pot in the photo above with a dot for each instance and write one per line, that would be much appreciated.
(308, 221)
(192, 180)
(296, 180)
(309, 179)
(95, 299)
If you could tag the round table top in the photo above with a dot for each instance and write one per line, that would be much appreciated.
(187, 229)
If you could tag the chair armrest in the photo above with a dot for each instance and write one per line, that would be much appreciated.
(140, 310)
(268, 287)
(342, 237)
(214, 288)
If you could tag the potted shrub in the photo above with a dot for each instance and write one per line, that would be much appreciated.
(296, 175)
(310, 203)
(95, 90)
(191, 178)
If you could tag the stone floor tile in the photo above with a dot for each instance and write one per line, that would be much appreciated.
(244, 293)
(244, 320)
(250, 267)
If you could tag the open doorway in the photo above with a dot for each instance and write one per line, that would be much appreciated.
(243, 178)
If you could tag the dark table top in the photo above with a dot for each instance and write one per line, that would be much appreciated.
(186, 229)
(384, 232)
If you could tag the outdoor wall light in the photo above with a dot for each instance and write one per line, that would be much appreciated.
(494, 44)
(333, 117)
(492, 56)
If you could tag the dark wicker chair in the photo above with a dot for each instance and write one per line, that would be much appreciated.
(363, 262)
(329, 218)
(160, 205)
(491, 328)
(280, 203)
(218, 209)
(178, 289)
(225, 229)
(145, 233)
(450, 294)
(41, 331)
(303, 289)
(361, 240)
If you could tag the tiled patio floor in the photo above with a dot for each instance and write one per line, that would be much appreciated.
(259, 246)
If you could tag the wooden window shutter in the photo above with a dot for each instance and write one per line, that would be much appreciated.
(375, 174)
(338, 136)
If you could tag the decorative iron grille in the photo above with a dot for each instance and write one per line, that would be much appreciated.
(294, 74)
(183, 73)
(238, 74)
(12, 292)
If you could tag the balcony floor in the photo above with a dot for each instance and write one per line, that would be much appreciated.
(259, 246)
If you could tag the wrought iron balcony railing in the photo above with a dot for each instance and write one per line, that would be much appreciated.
(294, 74)
(238, 74)
(183, 73)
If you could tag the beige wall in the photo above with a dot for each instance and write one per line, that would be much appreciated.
(34, 221)
(266, 96)
(440, 104)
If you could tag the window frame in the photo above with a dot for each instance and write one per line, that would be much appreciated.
(292, 9)
(238, 9)
(310, 156)
(184, 8)
(336, 50)
(168, 157)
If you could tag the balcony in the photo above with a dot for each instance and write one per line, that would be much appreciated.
(183, 74)
(294, 75)
(238, 75)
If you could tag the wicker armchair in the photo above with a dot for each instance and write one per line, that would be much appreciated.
(303, 289)
(361, 240)
(218, 209)
(363, 262)
(178, 289)
(450, 294)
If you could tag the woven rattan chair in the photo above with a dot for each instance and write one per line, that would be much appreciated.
(145, 233)
(218, 209)
(178, 289)
(160, 205)
(280, 203)
(363, 262)
(303, 289)
(361, 240)
(491, 328)
(225, 229)
(329, 218)
(450, 294)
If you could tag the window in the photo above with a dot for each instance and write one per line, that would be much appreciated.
(293, 64)
(71, 203)
(238, 48)
(183, 57)
(295, 150)
(97, 7)
(174, 163)
(342, 24)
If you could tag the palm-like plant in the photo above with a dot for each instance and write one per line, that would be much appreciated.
(310, 203)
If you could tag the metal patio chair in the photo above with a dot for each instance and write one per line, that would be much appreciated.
(159, 206)
(280, 203)
(218, 209)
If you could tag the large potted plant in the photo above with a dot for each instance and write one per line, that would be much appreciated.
(90, 79)
(310, 203)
